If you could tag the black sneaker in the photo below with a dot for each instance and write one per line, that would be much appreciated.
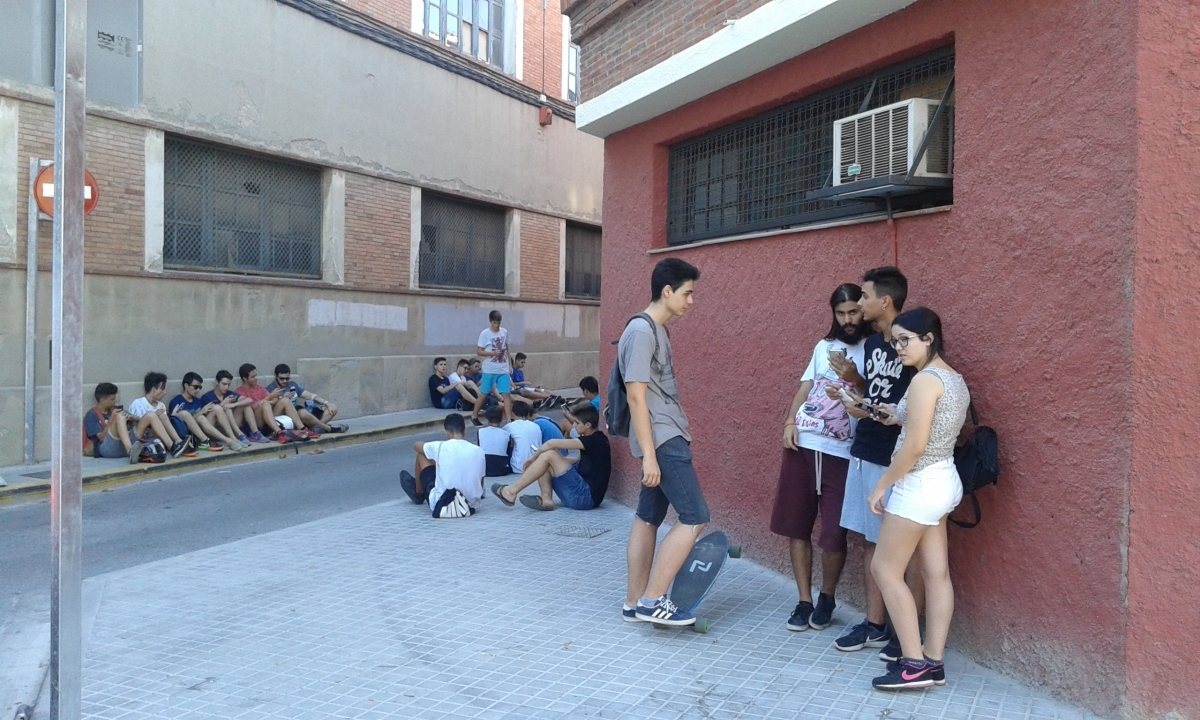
(823, 614)
(475, 422)
(862, 635)
(891, 651)
(409, 484)
(907, 675)
(179, 448)
(938, 674)
(798, 622)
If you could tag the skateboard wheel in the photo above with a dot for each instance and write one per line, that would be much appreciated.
(702, 626)
(735, 551)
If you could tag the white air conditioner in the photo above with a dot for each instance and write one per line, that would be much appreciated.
(884, 142)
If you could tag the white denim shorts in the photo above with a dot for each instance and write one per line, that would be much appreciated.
(926, 496)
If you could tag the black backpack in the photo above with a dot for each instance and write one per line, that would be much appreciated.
(978, 464)
(616, 411)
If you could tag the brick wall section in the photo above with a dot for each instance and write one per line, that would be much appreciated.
(377, 233)
(543, 73)
(539, 256)
(644, 34)
(397, 13)
(114, 232)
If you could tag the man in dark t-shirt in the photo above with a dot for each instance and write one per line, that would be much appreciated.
(884, 292)
(581, 486)
(442, 394)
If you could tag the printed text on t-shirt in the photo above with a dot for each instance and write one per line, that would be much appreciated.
(881, 373)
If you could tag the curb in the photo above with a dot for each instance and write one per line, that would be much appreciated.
(145, 471)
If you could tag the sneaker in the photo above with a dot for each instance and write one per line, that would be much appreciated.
(475, 422)
(203, 444)
(135, 452)
(938, 674)
(243, 440)
(189, 450)
(338, 428)
(214, 446)
(629, 614)
(282, 437)
(236, 445)
(178, 449)
(315, 432)
(907, 675)
(663, 612)
(891, 651)
(862, 635)
(258, 437)
(822, 615)
(798, 622)
(409, 484)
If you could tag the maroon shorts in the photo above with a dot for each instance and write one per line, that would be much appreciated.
(797, 502)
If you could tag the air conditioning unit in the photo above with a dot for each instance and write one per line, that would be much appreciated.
(884, 142)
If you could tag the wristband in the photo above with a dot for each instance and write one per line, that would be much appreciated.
(789, 423)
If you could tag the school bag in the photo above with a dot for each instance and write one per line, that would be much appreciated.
(978, 464)
(616, 412)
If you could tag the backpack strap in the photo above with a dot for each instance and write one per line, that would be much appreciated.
(978, 515)
(653, 329)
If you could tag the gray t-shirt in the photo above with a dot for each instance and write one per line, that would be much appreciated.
(662, 395)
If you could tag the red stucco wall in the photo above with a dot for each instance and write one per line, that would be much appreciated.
(1033, 272)
(1164, 546)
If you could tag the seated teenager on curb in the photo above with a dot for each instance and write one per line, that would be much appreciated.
(221, 405)
(259, 412)
(189, 408)
(313, 411)
(148, 414)
(817, 434)
(443, 393)
(496, 442)
(526, 390)
(581, 486)
(449, 473)
(467, 389)
(106, 430)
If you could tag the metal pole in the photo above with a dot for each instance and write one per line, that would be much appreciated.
(31, 291)
(66, 372)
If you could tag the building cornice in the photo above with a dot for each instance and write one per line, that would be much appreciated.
(588, 16)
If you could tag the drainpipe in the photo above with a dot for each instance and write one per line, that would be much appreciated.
(31, 291)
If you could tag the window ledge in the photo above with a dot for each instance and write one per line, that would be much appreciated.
(862, 219)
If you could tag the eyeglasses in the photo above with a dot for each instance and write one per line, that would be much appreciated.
(901, 341)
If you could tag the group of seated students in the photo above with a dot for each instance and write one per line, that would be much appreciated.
(449, 475)
(459, 390)
(195, 420)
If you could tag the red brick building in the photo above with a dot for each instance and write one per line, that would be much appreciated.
(344, 187)
(1058, 243)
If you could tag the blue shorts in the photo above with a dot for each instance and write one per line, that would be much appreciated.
(499, 381)
(181, 427)
(861, 480)
(679, 487)
(450, 400)
(572, 490)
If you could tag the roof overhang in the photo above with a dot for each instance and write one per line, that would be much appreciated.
(774, 33)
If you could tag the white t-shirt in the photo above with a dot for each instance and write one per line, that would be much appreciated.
(460, 465)
(493, 341)
(455, 378)
(141, 406)
(526, 436)
(494, 440)
(818, 367)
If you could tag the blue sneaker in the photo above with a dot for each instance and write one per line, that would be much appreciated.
(663, 612)
(862, 635)
(629, 614)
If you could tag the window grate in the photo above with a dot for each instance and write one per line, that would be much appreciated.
(462, 244)
(582, 262)
(754, 175)
(235, 212)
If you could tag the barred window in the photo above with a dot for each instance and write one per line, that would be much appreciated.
(462, 244)
(472, 27)
(583, 262)
(754, 175)
(231, 211)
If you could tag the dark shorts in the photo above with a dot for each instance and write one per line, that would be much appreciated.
(572, 490)
(679, 487)
(428, 479)
(497, 465)
(797, 502)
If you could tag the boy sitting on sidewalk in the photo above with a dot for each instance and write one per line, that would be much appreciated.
(496, 442)
(581, 486)
(449, 473)
(222, 406)
(106, 430)
(189, 408)
(526, 436)
(150, 415)
(260, 411)
(527, 391)
(313, 411)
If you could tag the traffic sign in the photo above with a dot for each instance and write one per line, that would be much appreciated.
(43, 191)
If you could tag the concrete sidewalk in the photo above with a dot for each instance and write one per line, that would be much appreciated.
(384, 612)
(23, 480)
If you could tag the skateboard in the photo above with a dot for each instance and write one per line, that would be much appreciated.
(695, 579)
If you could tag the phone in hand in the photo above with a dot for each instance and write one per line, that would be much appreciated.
(119, 407)
(839, 353)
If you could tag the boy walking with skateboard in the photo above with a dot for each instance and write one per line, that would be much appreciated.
(659, 437)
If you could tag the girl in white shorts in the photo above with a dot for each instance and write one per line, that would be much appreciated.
(925, 488)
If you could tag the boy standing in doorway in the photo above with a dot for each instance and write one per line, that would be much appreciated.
(659, 437)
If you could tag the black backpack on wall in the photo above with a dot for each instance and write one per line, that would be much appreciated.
(978, 464)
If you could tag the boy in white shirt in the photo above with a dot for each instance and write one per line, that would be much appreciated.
(526, 436)
(148, 413)
(496, 442)
(493, 347)
(449, 473)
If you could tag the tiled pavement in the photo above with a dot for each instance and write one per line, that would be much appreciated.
(386, 613)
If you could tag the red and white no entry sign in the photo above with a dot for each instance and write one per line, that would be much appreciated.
(43, 191)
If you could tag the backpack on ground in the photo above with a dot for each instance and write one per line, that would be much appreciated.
(153, 451)
(452, 504)
(616, 412)
(978, 464)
